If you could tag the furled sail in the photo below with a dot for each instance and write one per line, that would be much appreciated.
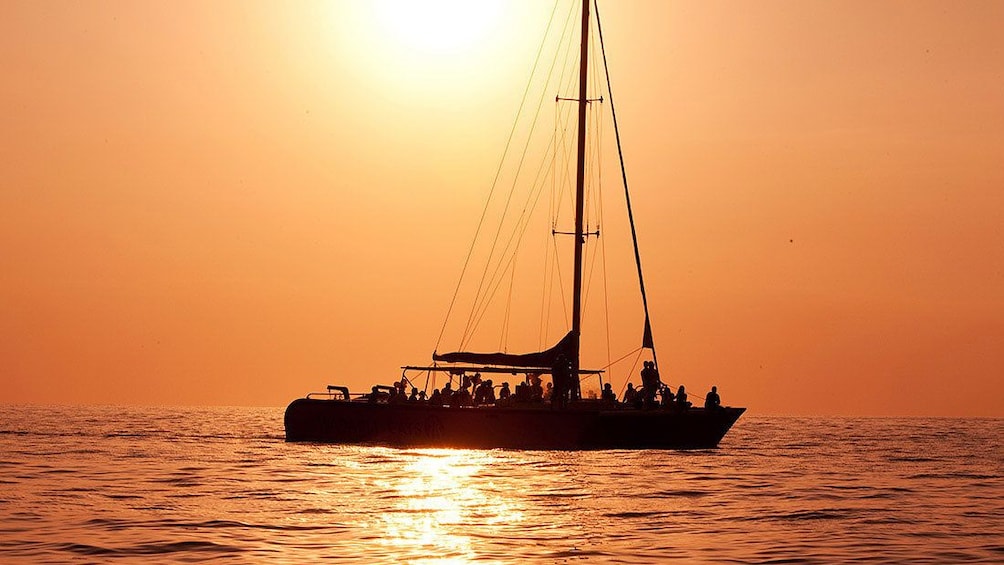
(541, 359)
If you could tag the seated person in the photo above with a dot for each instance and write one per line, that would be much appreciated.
(712, 401)
(681, 398)
(631, 395)
(608, 393)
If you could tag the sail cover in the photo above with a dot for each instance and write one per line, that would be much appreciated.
(541, 359)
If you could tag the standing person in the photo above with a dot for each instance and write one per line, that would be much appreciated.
(561, 375)
(649, 383)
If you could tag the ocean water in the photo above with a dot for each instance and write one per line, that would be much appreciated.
(173, 485)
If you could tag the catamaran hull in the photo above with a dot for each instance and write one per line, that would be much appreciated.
(535, 427)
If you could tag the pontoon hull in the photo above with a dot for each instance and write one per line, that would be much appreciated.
(587, 426)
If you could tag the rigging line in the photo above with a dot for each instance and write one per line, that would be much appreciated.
(542, 326)
(467, 329)
(529, 206)
(566, 83)
(603, 243)
(564, 115)
(498, 171)
(621, 358)
(593, 199)
(512, 244)
(561, 287)
(634, 365)
(627, 195)
(545, 320)
(517, 235)
(497, 282)
(504, 338)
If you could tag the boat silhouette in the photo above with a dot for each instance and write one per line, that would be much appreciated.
(526, 420)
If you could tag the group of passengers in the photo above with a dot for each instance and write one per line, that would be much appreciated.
(652, 387)
(475, 391)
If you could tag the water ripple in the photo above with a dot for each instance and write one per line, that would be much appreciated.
(210, 484)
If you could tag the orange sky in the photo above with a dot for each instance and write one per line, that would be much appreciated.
(238, 203)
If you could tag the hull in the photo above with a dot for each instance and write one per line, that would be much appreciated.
(588, 425)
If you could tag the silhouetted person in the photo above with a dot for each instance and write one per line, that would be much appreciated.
(397, 396)
(374, 394)
(436, 399)
(447, 394)
(522, 392)
(504, 392)
(649, 382)
(667, 396)
(462, 398)
(681, 398)
(712, 401)
(414, 395)
(631, 395)
(561, 375)
(608, 393)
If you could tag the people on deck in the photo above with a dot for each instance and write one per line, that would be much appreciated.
(536, 391)
(561, 376)
(489, 392)
(436, 399)
(397, 396)
(414, 395)
(712, 401)
(649, 383)
(462, 398)
(681, 398)
(667, 397)
(447, 394)
(484, 394)
(630, 395)
(504, 392)
(608, 393)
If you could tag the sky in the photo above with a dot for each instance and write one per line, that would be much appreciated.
(237, 203)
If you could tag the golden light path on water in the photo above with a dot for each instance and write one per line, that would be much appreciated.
(432, 498)
(439, 498)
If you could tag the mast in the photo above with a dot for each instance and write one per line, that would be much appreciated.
(580, 177)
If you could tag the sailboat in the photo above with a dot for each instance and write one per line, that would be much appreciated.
(566, 421)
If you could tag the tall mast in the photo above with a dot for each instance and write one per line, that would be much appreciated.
(580, 178)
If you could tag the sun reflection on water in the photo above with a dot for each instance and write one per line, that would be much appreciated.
(444, 504)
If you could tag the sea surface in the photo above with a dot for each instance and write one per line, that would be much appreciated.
(181, 485)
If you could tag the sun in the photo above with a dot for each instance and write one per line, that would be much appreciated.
(437, 27)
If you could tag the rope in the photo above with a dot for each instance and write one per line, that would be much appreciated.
(498, 172)
(468, 330)
(631, 372)
(627, 195)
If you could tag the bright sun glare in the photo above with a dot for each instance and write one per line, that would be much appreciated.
(437, 26)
